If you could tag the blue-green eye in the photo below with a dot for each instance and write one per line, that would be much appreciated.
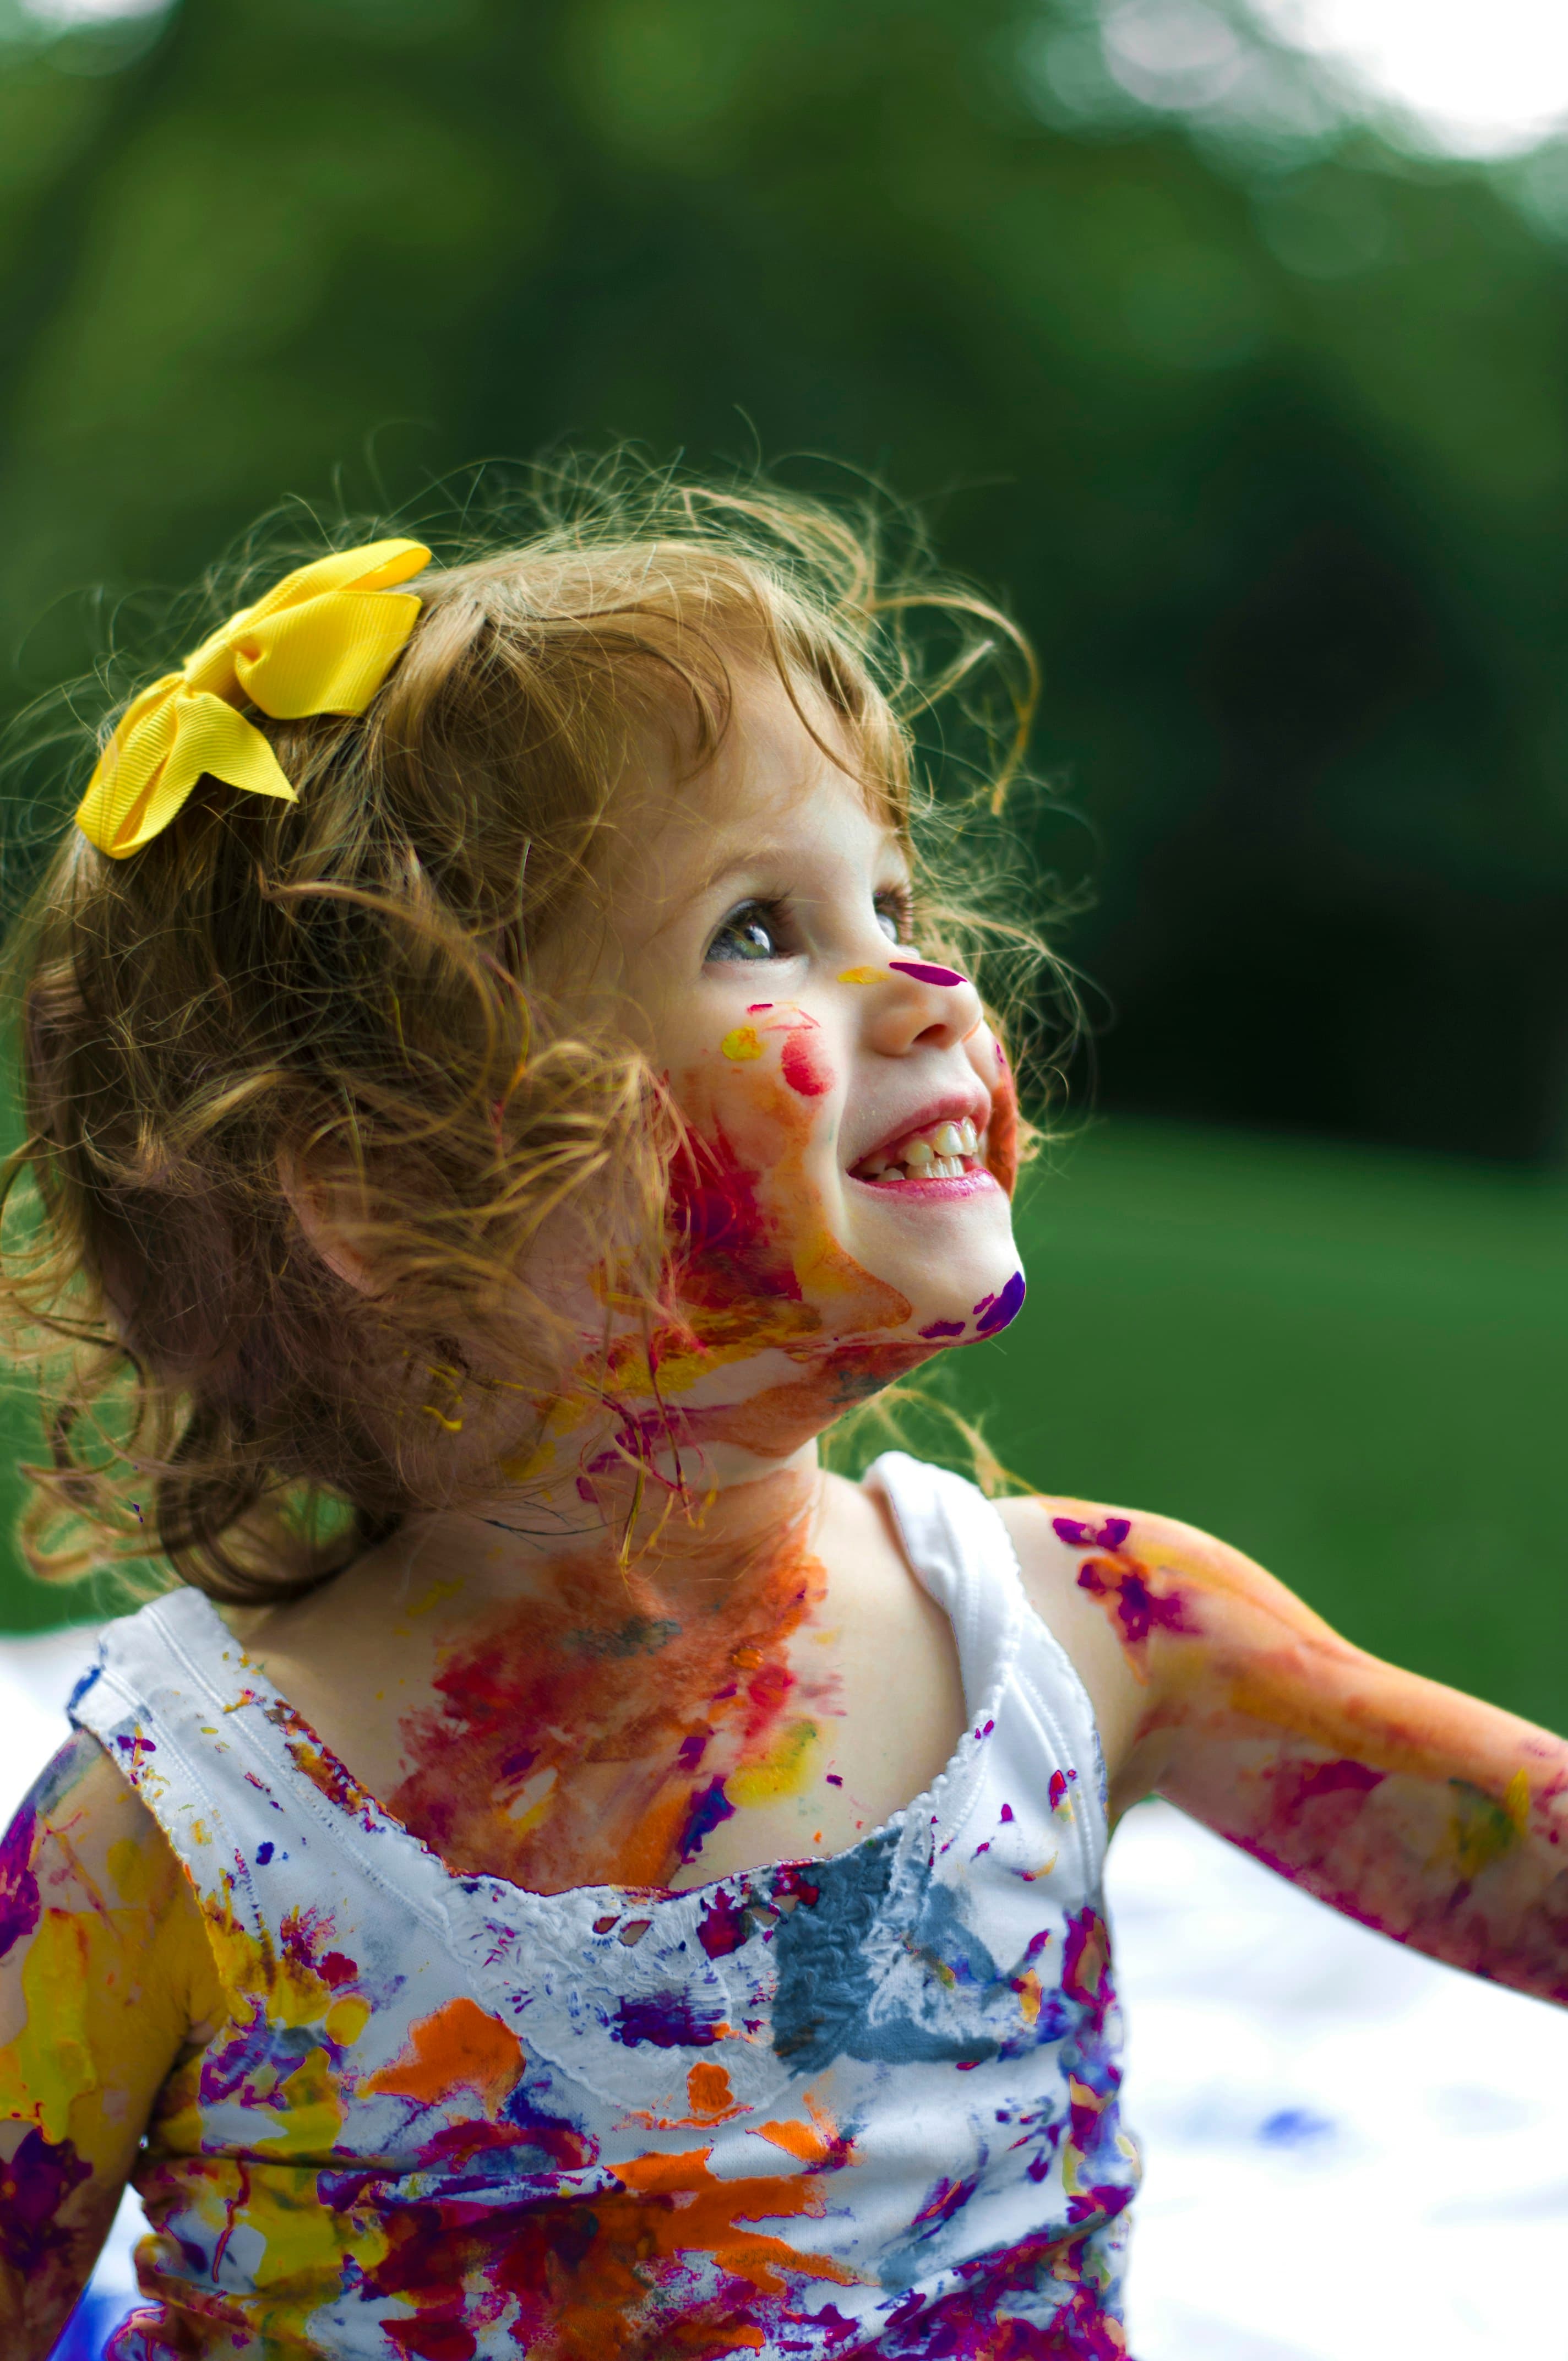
(752, 934)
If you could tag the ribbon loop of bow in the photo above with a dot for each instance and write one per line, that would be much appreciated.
(322, 641)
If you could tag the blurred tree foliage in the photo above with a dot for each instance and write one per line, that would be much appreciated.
(1258, 421)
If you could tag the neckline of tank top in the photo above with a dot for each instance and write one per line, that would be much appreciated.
(960, 1764)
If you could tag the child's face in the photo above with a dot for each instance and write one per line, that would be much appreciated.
(839, 1198)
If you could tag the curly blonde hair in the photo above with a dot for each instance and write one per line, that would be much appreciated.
(354, 982)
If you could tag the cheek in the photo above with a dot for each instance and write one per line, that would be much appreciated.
(762, 1087)
(1001, 1138)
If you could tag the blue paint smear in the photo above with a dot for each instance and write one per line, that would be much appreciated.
(1293, 2126)
(829, 2006)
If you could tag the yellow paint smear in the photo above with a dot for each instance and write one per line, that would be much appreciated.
(783, 1771)
(49, 2065)
(435, 1594)
(742, 1043)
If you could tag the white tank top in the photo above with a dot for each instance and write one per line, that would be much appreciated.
(860, 2105)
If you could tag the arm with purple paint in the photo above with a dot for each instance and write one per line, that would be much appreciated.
(1424, 1813)
(105, 1970)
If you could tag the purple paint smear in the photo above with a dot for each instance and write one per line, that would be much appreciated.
(943, 1328)
(666, 2021)
(924, 975)
(1139, 1610)
(34, 2186)
(705, 1810)
(18, 1885)
(1078, 1535)
(994, 1311)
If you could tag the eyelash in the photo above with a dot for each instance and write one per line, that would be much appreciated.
(894, 903)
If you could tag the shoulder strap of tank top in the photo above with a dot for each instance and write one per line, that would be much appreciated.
(960, 1548)
(964, 1556)
(225, 1766)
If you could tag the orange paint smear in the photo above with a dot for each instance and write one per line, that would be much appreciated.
(460, 2047)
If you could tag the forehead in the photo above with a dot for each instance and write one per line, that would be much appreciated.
(788, 776)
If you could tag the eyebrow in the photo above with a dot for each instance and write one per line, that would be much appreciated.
(756, 856)
(770, 856)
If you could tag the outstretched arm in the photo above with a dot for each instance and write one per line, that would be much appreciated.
(1421, 1811)
(104, 1976)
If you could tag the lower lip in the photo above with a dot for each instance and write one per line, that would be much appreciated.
(907, 1192)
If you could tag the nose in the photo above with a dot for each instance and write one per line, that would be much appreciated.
(922, 1005)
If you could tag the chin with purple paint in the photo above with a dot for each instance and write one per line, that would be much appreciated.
(995, 1313)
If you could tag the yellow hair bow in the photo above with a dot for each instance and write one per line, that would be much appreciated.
(322, 641)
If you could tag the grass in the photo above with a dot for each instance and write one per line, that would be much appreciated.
(1353, 1366)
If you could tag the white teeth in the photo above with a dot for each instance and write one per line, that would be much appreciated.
(936, 1155)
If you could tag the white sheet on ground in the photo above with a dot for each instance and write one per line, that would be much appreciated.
(1351, 2152)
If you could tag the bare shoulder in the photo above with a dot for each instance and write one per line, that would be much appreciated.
(1050, 1561)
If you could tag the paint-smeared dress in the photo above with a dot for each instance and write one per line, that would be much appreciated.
(863, 2106)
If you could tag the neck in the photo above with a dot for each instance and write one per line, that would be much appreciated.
(648, 1536)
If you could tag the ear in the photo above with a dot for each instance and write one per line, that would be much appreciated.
(331, 1210)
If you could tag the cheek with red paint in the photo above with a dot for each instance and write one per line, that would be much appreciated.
(735, 1097)
(1002, 1135)
(805, 1068)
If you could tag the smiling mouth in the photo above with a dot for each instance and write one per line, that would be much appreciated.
(944, 1151)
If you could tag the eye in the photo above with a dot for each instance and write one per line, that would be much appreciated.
(894, 910)
(753, 932)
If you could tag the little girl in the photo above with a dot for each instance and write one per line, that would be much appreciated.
(563, 1874)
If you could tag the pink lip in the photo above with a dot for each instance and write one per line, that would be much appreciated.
(955, 1108)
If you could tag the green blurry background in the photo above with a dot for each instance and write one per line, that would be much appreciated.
(1255, 416)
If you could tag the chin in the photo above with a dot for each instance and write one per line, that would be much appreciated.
(979, 1293)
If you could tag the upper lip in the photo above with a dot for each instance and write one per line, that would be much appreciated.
(954, 1108)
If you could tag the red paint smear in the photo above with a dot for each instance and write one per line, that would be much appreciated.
(1338, 1778)
(305, 1933)
(724, 1924)
(624, 1749)
(800, 1069)
(726, 1254)
(1002, 1131)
